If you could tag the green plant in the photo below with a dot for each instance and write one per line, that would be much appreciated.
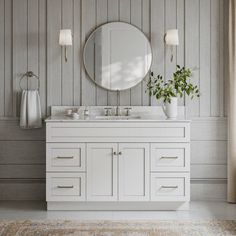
(179, 85)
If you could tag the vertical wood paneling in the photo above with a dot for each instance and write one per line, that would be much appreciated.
(67, 67)
(225, 55)
(8, 59)
(88, 25)
(33, 40)
(170, 23)
(157, 38)
(180, 24)
(146, 30)
(180, 50)
(192, 50)
(215, 58)
(36, 26)
(101, 99)
(42, 37)
(136, 19)
(125, 10)
(221, 58)
(113, 15)
(2, 56)
(205, 57)
(54, 53)
(20, 59)
(77, 51)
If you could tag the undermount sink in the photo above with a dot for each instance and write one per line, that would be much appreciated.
(118, 117)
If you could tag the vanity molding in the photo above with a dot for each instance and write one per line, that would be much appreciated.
(94, 164)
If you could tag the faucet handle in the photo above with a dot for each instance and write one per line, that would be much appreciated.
(86, 111)
(107, 111)
(127, 110)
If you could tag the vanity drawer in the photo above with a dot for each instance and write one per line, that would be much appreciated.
(126, 131)
(65, 186)
(170, 157)
(170, 187)
(65, 157)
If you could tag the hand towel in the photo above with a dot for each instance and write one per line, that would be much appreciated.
(30, 112)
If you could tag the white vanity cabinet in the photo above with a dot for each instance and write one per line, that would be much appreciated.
(118, 172)
(99, 164)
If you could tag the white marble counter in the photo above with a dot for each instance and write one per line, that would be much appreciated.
(96, 114)
(109, 119)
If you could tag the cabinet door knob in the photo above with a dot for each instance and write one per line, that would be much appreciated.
(120, 153)
(114, 153)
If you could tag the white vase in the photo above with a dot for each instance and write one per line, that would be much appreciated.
(171, 109)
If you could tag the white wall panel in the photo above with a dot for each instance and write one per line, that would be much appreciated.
(213, 190)
(192, 54)
(208, 152)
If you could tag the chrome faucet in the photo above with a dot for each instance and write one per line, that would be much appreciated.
(127, 113)
(117, 113)
(107, 111)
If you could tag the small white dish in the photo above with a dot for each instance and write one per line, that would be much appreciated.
(75, 115)
(69, 112)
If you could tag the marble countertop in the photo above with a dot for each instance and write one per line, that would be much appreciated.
(92, 118)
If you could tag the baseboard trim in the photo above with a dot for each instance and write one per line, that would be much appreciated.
(208, 181)
(122, 206)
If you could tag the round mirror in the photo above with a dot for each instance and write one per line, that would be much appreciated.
(117, 56)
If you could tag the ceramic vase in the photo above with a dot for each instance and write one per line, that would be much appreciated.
(171, 109)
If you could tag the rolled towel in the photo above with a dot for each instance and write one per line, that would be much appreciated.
(30, 112)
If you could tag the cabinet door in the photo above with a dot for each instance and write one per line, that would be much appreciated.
(101, 172)
(134, 172)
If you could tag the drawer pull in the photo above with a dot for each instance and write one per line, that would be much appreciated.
(60, 157)
(169, 187)
(65, 186)
(169, 157)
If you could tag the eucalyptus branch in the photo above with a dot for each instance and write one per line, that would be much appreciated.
(178, 86)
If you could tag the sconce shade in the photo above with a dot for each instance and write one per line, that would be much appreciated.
(172, 37)
(65, 37)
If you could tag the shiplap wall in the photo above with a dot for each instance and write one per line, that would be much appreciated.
(29, 32)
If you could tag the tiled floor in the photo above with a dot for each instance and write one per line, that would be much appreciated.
(36, 210)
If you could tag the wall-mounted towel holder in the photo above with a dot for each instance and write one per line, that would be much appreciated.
(29, 74)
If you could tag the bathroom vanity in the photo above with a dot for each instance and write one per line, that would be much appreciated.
(97, 162)
(117, 160)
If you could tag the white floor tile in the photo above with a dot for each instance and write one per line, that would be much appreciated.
(35, 210)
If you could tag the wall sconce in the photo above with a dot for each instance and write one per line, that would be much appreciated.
(65, 39)
(172, 39)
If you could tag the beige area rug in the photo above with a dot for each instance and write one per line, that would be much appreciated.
(117, 228)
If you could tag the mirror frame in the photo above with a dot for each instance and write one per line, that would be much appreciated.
(91, 35)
